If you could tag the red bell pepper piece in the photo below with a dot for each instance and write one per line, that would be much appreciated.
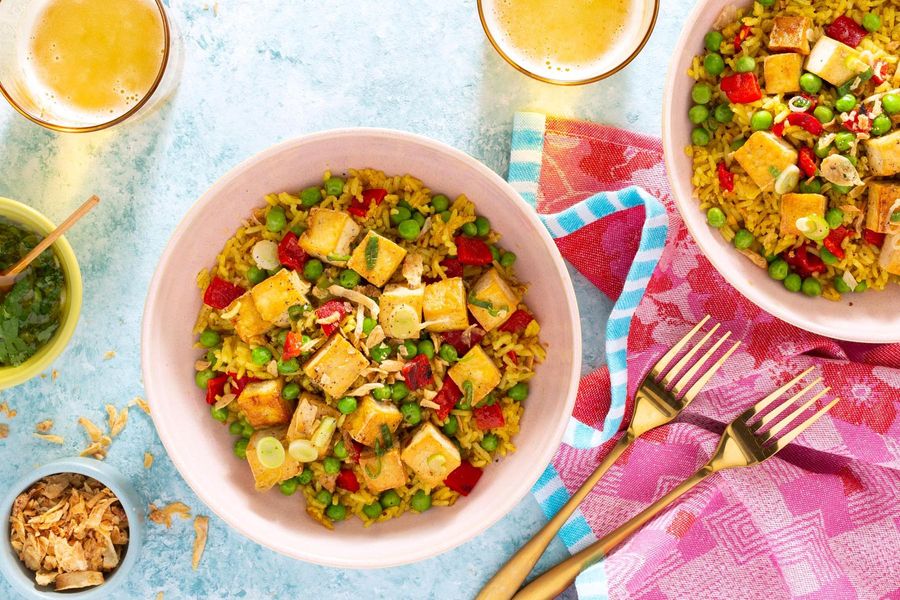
(215, 387)
(879, 72)
(513, 356)
(873, 237)
(807, 122)
(488, 417)
(292, 343)
(220, 293)
(463, 478)
(741, 88)
(517, 322)
(846, 30)
(807, 161)
(239, 383)
(347, 480)
(742, 34)
(417, 372)
(326, 310)
(726, 177)
(360, 207)
(854, 123)
(456, 339)
(832, 241)
(446, 398)
(472, 251)
(804, 262)
(290, 254)
(452, 267)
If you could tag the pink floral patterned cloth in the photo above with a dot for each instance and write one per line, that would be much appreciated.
(821, 519)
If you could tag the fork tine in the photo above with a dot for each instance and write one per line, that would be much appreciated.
(704, 379)
(692, 372)
(765, 402)
(777, 427)
(688, 357)
(663, 362)
(790, 435)
(785, 404)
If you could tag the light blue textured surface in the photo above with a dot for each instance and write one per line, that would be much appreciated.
(254, 74)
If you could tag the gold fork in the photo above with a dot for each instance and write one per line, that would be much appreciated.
(658, 401)
(746, 441)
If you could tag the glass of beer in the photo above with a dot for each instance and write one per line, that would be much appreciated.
(568, 42)
(84, 65)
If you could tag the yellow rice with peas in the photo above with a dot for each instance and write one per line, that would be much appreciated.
(367, 343)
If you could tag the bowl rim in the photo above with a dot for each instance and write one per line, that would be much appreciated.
(23, 214)
(10, 565)
(687, 207)
(502, 507)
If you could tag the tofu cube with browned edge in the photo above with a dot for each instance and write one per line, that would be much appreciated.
(890, 254)
(330, 233)
(782, 73)
(492, 301)
(263, 477)
(307, 416)
(790, 34)
(764, 157)
(385, 472)
(796, 206)
(444, 305)
(884, 199)
(835, 62)
(365, 424)
(376, 258)
(275, 295)
(884, 154)
(431, 455)
(262, 405)
(475, 369)
(245, 318)
(400, 311)
(335, 366)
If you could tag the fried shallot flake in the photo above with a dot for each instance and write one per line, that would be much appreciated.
(49, 437)
(148, 460)
(142, 404)
(44, 426)
(201, 528)
(163, 516)
(6, 410)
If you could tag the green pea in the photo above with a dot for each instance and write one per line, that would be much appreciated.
(334, 186)
(211, 358)
(713, 41)
(347, 405)
(871, 22)
(701, 93)
(495, 252)
(290, 391)
(891, 104)
(368, 325)
(348, 279)
(240, 448)
(840, 285)
(508, 259)
(210, 339)
(793, 282)
(305, 476)
(310, 197)
(745, 64)
(446, 215)
(402, 214)
(700, 136)
(810, 186)
(881, 125)
(834, 217)
(715, 217)
(323, 497)
(470, 229)
(256, 275)
(811, 287)
(275, 219)
(419, 218)
(811, 83)
(340, 450)
(236, 428)
(737, 143)
(380, 352)
(861, 287)
(406, 205)
(743, 239)
(281, 337)
(448, 353)
(296, 311)
(373, 511)
(409, 229)
(426, 347)
(440, 203)
(490, 442)
(313, 269)
(410, 348)
(202, 377)
(286, 367)
(399, 391)
(778, 269)
(331, 465)
(288, 486)
(219, 414)
(723, 114)
(714, 64)
(827, 257)
(247, 430)
(420, 502)
(390, 499)
(822, 151)
(761, 120)
(518, 392)
(841, 189)
(844, 140)
(698, 114)
(823, 114)
(483, 226)
(451, 426)
(411, 412)
(260, 355)
(382, 393)
(845, 103)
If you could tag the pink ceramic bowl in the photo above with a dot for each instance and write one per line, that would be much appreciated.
(870, 317)
(201, 448)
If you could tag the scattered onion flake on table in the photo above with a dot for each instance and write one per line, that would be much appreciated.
(69, 530)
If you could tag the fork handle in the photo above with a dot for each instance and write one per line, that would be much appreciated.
(504, 584)
(557, 579)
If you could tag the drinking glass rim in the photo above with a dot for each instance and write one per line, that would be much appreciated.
(572, 82)
(167, 39)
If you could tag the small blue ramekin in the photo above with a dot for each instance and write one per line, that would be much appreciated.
(22, 580)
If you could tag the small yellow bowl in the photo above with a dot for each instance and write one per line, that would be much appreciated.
(71, 304)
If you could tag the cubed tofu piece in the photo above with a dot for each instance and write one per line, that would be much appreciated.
(278, 293)
(790, 34)
(889, 260)
(834, 62)
(262, 405)
(492, 301)
(476, 368)
(265, 478)
(884, 154)
(330, 233)
(400, 311)
(376, 258)
(431, 455)
(444, 305)
(336, 366)
(884, 197)
(782, 73)
(364, 425)
(764, 157)
(245, 318)
(307, 416)
(795, 206)
(383, 473)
